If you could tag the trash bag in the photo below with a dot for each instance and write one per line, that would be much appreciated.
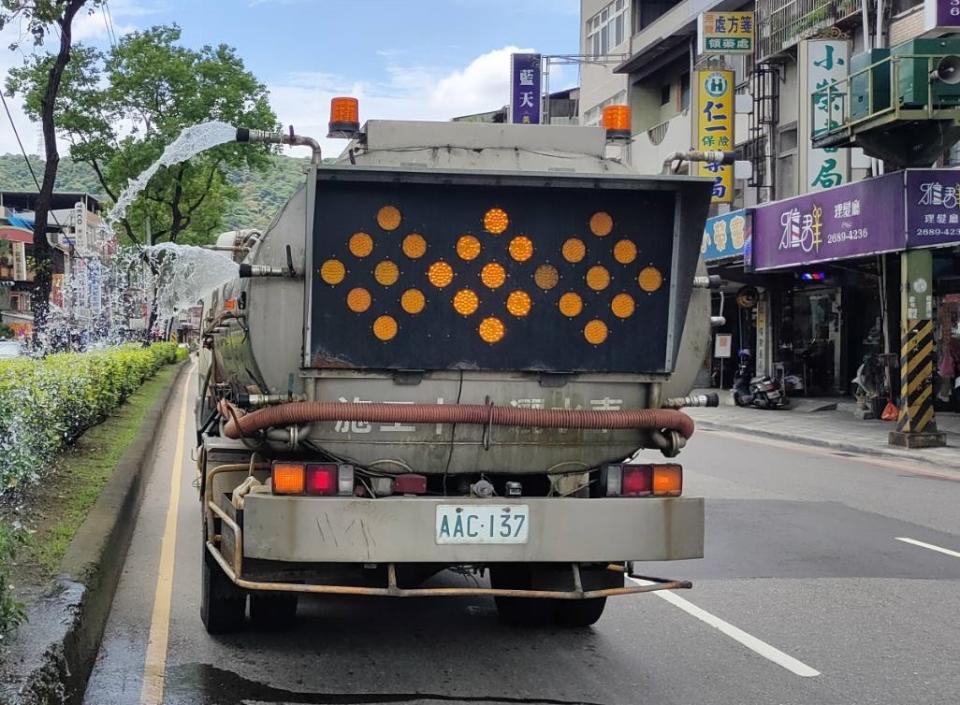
(890, 412)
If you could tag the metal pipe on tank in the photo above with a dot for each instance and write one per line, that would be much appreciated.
(246, 135)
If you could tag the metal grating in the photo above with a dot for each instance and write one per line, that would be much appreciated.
(784, 23)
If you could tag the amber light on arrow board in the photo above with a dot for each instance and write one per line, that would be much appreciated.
(495, 221)
(468, 247)
(414, 246)
(358, 300)
(491, 330)
(440, 274)
(388, 218)
(385, 328)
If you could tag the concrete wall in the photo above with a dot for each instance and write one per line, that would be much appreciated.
(598, 82)
(906, 26)
(674, 136)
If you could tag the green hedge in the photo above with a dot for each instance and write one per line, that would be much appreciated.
(45, 404)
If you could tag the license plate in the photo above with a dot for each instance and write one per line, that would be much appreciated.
(469, 523)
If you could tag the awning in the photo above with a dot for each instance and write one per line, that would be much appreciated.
(13, 233)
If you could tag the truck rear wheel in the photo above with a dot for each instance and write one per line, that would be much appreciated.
(579, 613)
(273, 612)
(535, 612)
(222, 604)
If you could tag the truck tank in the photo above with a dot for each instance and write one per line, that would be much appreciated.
(467, 264)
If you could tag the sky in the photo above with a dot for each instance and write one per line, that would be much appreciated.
(403, 59)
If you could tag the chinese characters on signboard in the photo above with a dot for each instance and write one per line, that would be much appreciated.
(727, 235)
(858, 219)
(726, 32)
(715, 129)
(525, 88)
(827, 62)
(941, 13)
(933, 207)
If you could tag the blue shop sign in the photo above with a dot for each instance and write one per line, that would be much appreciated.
(728, 235)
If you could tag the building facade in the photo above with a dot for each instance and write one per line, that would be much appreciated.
(80, 247)
(804, 308)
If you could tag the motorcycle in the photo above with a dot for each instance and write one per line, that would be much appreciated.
(761, 392)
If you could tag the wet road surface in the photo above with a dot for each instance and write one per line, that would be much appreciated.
(808, 594)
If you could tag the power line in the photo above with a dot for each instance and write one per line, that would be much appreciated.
(111, 28)
(23, 151)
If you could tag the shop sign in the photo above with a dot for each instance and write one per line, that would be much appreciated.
(525, 88)
(856, 220)
(56, 290)
(715, 129)
(727, 235)
(827, 62)
(726, 32)
(941, 13)
(933, 207)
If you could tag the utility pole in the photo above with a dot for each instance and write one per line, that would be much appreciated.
(916, 424)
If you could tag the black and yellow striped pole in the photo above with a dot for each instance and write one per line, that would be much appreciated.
(916, 423)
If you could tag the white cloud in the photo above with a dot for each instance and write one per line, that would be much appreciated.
(88, 27)
(411, 92)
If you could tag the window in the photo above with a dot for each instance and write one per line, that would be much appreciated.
(649, 11)
(664, 94)
(593, 115)
(607, 29)
(685, 91)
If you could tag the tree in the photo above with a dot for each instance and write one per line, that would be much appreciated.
(121, 108)
(40, 17)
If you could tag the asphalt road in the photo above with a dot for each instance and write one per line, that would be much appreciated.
(808, 595)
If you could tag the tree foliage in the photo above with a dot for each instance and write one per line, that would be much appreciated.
(260, 191)
(40, 18)
(119, 109)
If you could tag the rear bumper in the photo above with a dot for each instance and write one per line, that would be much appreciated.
(402, 530)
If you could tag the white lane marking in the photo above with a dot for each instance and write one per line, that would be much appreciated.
(938, 549)
(756, 645)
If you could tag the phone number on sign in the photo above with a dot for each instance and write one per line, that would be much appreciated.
(937, 232)
(847, 235)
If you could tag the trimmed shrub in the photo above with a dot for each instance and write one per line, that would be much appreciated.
(45, 404)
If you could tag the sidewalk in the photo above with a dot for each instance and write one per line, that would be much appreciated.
(814, 422)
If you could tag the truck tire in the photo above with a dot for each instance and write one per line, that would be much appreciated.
(579, 613)
(273, 612)
(537, 612)
(222, 604)
(520, 611)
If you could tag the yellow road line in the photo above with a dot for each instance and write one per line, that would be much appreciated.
(155, 664)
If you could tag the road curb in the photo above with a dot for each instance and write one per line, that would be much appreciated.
(52, 655)
(821, 443)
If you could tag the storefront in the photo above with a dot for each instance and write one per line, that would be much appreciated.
(933, 221)
(742, 299)
(838, 253)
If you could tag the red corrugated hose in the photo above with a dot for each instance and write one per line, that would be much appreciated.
(241, 425)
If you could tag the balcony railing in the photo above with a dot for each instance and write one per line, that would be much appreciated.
(783, 23)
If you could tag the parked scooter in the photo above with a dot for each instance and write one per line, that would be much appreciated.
(759, 392)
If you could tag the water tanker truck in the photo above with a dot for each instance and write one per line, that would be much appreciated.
(460, 347)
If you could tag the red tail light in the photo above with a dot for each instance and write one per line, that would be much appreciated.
(637, 481)
(322, 479)
(318, 479)
(410, 483)
(642, 480)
